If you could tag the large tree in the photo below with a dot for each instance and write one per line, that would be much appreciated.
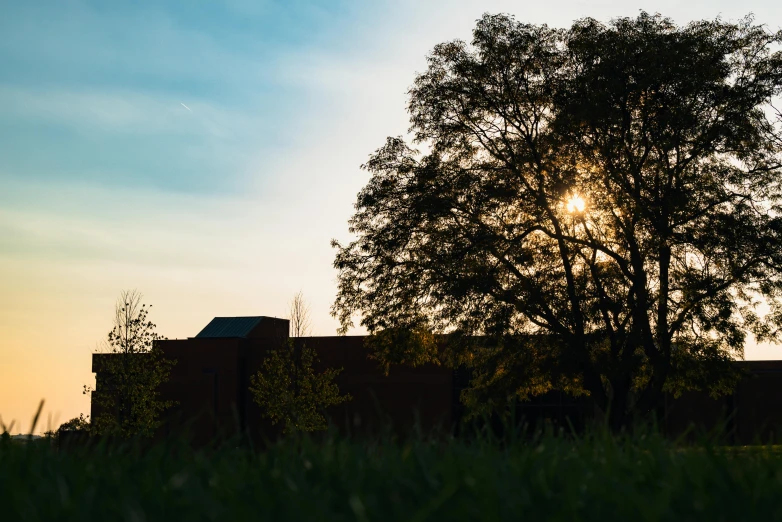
(600, 204)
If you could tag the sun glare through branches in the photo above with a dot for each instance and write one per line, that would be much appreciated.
(576, 204)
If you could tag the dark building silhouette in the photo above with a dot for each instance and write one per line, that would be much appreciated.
(211, 377)
(210, 384)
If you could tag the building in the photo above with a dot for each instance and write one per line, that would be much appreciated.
(211, 377)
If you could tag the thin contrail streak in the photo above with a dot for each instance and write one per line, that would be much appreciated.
(185, 106)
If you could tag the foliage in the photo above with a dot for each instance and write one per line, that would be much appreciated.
(552, 478)
(287, 388)
(612, 189)
(290, 391)
(131, 369)
(419, 347)
(80, 423)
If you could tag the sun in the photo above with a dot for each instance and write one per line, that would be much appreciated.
(576, 204)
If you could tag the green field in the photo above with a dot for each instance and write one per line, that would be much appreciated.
(598, 478)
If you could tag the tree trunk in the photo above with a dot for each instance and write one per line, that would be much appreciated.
(618, 417)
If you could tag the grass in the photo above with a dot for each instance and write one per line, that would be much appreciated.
(595, 477)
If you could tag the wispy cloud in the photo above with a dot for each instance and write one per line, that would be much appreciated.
(120, 137)
(87, 109)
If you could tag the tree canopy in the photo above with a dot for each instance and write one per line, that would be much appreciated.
(595, 209)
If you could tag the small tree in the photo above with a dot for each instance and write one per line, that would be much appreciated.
(78, 426)
(131, 372)
(287, 388)
(299, 316)
(79, 423)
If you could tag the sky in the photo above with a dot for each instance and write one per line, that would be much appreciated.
(205, 154)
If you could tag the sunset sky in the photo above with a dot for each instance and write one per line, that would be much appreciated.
(205, 156)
